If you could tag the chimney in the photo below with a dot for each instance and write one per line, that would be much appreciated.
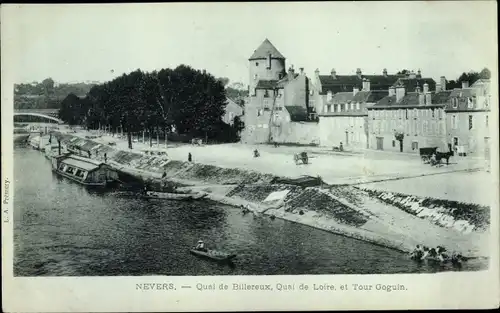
(400, 93)
(301, 71)
(366, 84)
(465, 84)
(392, 91)
(421, 98)
(291, 72)
(428, 98)
(443, 83)
(419, 74)
(426, 88)
(358, 72)
(334, 73)
(384, 72)
(355, 91)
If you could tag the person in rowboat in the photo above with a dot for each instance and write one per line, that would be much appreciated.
(201, 246)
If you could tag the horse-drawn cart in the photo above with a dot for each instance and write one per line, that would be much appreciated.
(426, 154)
(301, 157)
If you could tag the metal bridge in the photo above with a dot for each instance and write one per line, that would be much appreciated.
(52, 116)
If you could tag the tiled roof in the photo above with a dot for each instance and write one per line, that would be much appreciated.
(342, 97)
(234, 104)
(369, 96)
(297, 113)
(342, 83)
(266, 84)
(266, 49)
(463, 93)
(411, 83)
(411, 99)
(381, 82)
(286, 79)
(462, 99)
(441, 97)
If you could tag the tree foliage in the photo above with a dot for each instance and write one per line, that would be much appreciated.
(72, 110)
(190, 101)
(470, 77)
(46, 95)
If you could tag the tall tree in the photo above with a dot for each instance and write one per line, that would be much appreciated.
(191, 101)
(70, 111)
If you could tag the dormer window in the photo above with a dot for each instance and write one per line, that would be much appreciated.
(329, 96)
(469, 103)
(454, 102)
(266, 93)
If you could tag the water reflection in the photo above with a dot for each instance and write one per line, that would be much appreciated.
(63, 229)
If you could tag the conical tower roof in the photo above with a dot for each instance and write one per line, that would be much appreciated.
(266, 49)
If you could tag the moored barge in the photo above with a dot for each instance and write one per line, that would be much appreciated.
(84, 171)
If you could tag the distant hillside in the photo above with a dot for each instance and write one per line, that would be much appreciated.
(47, 94)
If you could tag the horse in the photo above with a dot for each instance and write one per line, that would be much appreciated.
(444, 155)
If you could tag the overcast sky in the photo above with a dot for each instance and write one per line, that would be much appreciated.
(99, 42)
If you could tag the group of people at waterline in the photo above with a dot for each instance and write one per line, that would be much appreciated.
(436, 254)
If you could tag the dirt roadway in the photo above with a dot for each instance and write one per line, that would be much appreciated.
(403, 173)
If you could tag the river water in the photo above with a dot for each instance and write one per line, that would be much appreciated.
(63, 229)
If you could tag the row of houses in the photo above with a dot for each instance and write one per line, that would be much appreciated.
(400, 112)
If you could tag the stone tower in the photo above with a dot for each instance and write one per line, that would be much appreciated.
(266, 63)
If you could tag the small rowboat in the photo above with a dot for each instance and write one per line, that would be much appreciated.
(164, 195)
(174, 196)
(213, 255)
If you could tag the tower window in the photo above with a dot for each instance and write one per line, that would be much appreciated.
(269, 61)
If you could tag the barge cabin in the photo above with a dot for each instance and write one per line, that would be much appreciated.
(85, 171)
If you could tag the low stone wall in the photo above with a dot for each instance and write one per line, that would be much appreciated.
(304, 133)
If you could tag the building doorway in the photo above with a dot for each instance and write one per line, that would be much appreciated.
(380, 143)
(414, 145)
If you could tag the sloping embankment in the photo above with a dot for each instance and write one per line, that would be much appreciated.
(152, 167)
(355, 213)
(344, 210)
